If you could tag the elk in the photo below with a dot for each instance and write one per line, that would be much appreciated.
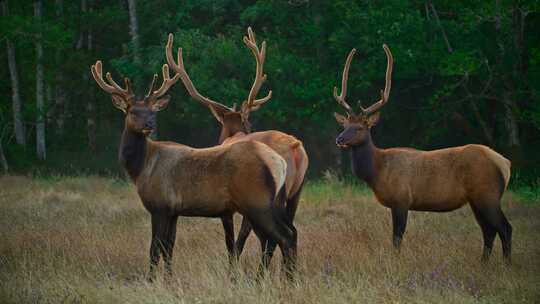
(441, 180)
(235, 127)
(177, 180)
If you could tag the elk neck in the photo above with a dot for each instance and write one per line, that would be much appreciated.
(132, 152)
(230, 131)
(364, 161)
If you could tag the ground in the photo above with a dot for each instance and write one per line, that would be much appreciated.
(86, 240)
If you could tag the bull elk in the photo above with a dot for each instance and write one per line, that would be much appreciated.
(235, 127)
(176, 180)
(441, 180)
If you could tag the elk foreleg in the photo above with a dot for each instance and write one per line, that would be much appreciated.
(245, 229)
(168, 246)
(399, 223)
(163, 237)
(228, 228)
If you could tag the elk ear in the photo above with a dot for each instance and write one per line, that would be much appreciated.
(373, 119)
(119, 103)
(340, 118)
(160, 103)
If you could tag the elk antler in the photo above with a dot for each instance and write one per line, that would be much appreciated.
(252, 104)
(180, 69)
(112, 87)
(165, 86)
(388, 84)
(341, 97)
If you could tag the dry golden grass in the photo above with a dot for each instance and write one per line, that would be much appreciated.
(85, 240)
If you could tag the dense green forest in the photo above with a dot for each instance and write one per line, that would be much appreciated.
(464, 72)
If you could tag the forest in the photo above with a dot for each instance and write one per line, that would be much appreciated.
(464, 72)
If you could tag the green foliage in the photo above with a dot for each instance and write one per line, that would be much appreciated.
(485, 61)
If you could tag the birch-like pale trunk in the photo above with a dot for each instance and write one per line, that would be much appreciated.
(18, 124)
(40, 121)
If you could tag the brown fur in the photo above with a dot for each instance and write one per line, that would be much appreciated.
(439, 180)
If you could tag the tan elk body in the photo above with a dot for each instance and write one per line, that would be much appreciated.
(406, 179)
(176, 180)
(236, 127)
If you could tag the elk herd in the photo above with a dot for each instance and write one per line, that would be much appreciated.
(260, 174)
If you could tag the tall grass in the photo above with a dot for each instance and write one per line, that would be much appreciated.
(85, 240)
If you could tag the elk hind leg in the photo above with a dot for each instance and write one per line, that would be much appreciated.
(276, 232)
(488, 232)
(495, 218)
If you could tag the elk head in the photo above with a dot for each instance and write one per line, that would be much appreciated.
(232, 120)
(356, 127)
(140, 113)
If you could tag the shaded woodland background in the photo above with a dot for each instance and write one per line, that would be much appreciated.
(465, 72)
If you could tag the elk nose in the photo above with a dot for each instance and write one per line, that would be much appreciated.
(340, 141)
(149, 125)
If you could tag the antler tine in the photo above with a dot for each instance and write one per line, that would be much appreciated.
(179, 68)
(167, 82)
(260, 55)
(385, 94)
(344, 78)
(152, 84)
(112, 87)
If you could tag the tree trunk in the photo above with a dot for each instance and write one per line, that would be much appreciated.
(40, 122)
(3, 160)
(134, 31)
(90, 105)
(59, 94)
(15, 97)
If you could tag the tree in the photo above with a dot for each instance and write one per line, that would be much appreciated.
(40, 106)
(15, 97)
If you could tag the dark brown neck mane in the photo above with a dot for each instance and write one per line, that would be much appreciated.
(132, 152)
(363, 161)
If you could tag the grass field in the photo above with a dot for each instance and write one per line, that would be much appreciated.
(86, 240)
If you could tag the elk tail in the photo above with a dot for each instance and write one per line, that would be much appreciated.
(502, 163)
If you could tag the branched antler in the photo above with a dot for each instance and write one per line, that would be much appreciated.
(112, 87)
(341, 99)
(252, 104)
(344, 78)
(165, 85)
(388, 84)
(179, 68)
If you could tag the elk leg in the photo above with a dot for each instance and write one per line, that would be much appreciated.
(276, 231)
(399, 223)
(245, 229)
(156, 244)
(292, 204)
(170, 239)
(496, 219)
(228, 227)
(488, 233)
